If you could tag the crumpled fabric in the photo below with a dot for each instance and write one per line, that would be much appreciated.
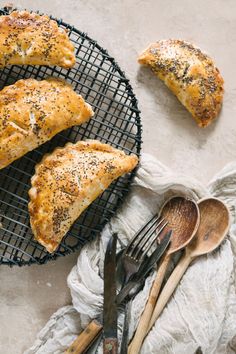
(201, 312)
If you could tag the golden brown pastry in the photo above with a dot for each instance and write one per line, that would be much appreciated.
(32, 112)
(31, 39)
(190, 74)
(67, 181)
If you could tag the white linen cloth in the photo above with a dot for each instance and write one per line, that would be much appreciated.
(202, 311)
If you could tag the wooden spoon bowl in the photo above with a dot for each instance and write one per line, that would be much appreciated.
(183, 217)
(213, 227)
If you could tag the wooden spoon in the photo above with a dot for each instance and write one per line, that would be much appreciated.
(214, 225)
(183, 218)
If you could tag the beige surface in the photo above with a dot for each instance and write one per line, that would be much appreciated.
(28, 296)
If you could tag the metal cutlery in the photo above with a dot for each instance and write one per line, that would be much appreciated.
(135, 284)
(136, 265)
(147, 265)
(135, 260)
(110, 341)
(140, 245)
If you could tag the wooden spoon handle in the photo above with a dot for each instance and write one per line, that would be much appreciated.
(145, 318)
(170, 287)
(85, 338)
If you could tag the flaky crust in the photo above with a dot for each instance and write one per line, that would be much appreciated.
(190, 74)
(28, 38)
(32, 112)
(67, 181)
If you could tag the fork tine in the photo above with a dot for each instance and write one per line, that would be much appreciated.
(149, 224)
(153, 239)
(145, 238)
(141, 238)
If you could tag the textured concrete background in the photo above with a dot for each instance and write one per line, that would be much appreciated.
(28, 296)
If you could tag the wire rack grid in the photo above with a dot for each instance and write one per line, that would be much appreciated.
(98, 78)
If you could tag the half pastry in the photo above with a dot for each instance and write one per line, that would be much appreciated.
(190, 74)
(67, 181)
(32, 112)
(31, 39)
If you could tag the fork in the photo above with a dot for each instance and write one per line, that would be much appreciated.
(138, 248)
(133, 258)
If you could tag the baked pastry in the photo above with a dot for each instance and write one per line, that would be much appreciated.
(67, 181)
(31, 39)
(32, 112)
(190, 74)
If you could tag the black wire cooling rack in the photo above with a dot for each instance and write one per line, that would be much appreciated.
(98, 78)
